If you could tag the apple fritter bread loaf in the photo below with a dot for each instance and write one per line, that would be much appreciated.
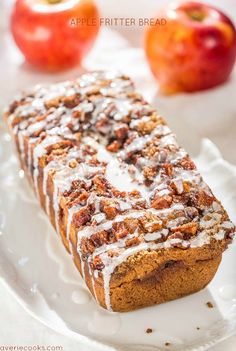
(128, 202)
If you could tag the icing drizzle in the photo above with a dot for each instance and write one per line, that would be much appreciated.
(117, 173)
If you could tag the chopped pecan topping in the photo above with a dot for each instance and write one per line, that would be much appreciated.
(41, 117)
(60, 145)
(76, 114)
(97, 263)
(89, 150)
(135, 193)
(73, 164)
(131, 138)
(77, 136)
(37, 133)
(99, 238)
(93, 91)
(161, 202)
(71, 101)
(132, 242)
(149, 172)
(78, 183)
(204, 199)
(122, 120)
(168, 168)
(149, 151)
(110, 109)
(82, 217)
(121, 132)
(14, 105)
(181, 241)
(188, 228)
(118, 193)
(146, 127)
(87, 246)
(177, 186)
(134, 95)
(119, 230)
(114, 146)
(188, 164)
(82, 199)
(187, 187)
(71, 126)
(53, 102)
(103, 125)
(100, 183)
(176, 235)
(150, 223)
(110, 211)
(131, 224)
(58, 152)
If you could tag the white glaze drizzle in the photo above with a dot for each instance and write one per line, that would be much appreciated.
(116, 172)
(38, 152)
(29, 157)
(20, 136)
(138, 143)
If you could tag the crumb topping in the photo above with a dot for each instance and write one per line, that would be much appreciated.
(117, 168)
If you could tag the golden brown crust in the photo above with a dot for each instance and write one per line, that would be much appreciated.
(155, 280)
(173, 280)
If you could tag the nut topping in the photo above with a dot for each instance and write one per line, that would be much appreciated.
(188, 228)
(159, 199)
(162, 202)
(132, 242)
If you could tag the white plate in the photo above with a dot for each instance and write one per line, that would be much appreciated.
(41, 275)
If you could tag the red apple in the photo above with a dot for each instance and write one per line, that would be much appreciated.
(54, 34)
(194, 50)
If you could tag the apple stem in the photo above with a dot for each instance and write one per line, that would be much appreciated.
(196, 15)
(53, 1)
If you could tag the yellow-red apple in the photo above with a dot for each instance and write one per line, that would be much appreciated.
(194, 50)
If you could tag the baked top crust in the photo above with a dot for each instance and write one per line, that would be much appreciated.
(126, 185)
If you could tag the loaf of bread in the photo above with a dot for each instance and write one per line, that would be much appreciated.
(128, 202)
